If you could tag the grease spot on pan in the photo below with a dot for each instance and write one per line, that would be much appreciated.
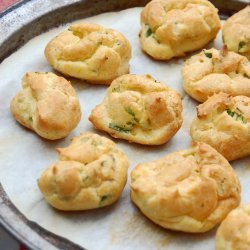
(137, 229)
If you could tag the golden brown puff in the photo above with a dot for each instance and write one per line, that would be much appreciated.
(234, 231)
(91, 173)
(47, 104)
(170, 28)
(236, 32)
(213, 71)
(139, 109)
(223, 122)
(191, 190)
(90, 52)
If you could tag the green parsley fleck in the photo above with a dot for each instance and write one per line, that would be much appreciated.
(103, 198)
(94, 143)
(76, 33)
(131, 112)
(236, 116)
(113, 158)
(241, 45)
(118, 128)
(130, 123)
(149, 32)
(208, 54)
(103, 163)
(188, 154)
(117, 89)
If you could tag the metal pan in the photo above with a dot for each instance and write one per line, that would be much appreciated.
(20, 23)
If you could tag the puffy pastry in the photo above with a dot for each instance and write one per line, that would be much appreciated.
(170, 28)
(236, 32)
(213, 71)
(191, 190)
(139, 109)
(223, 122)
(91, 173)
(234, 231)
(90, 52)
(47, 104)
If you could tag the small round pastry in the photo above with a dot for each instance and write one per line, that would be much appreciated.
(47, 104)
(171, 28)
(191, 190)
(234, 231)
(91, 173)
(90, 52)
(236, 32)
(223, 122)
(213, 71)
(139, 109)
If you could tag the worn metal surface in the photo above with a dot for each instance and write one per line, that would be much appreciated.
(33, 17)
(28, 232)
(229, 7)
(19, 24)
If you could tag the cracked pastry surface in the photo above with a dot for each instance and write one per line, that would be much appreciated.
(90, 173)
(223, 122)
(139, 109)
(190, 190)
(170, 28)
(236, 32)
(47, 104)
(213, 71)
(234, 231)
(90, 52)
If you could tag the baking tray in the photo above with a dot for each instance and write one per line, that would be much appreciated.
(19, 24)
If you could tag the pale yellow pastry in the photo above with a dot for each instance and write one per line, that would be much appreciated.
(191, 190)
(223, 122)
(139, 109)
(236, 32)
(47, 104)
(234, 231)
(213, 71)
(91, 173)
(90, 52)
(171, 28)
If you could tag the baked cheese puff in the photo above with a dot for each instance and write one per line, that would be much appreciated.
(236, 32)
(90, 173)
(223, 122)
(191, 190)
(171, 28)
(213, 71)
(90, 52)
(234, 231)
(139, 109)
(47, 104)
